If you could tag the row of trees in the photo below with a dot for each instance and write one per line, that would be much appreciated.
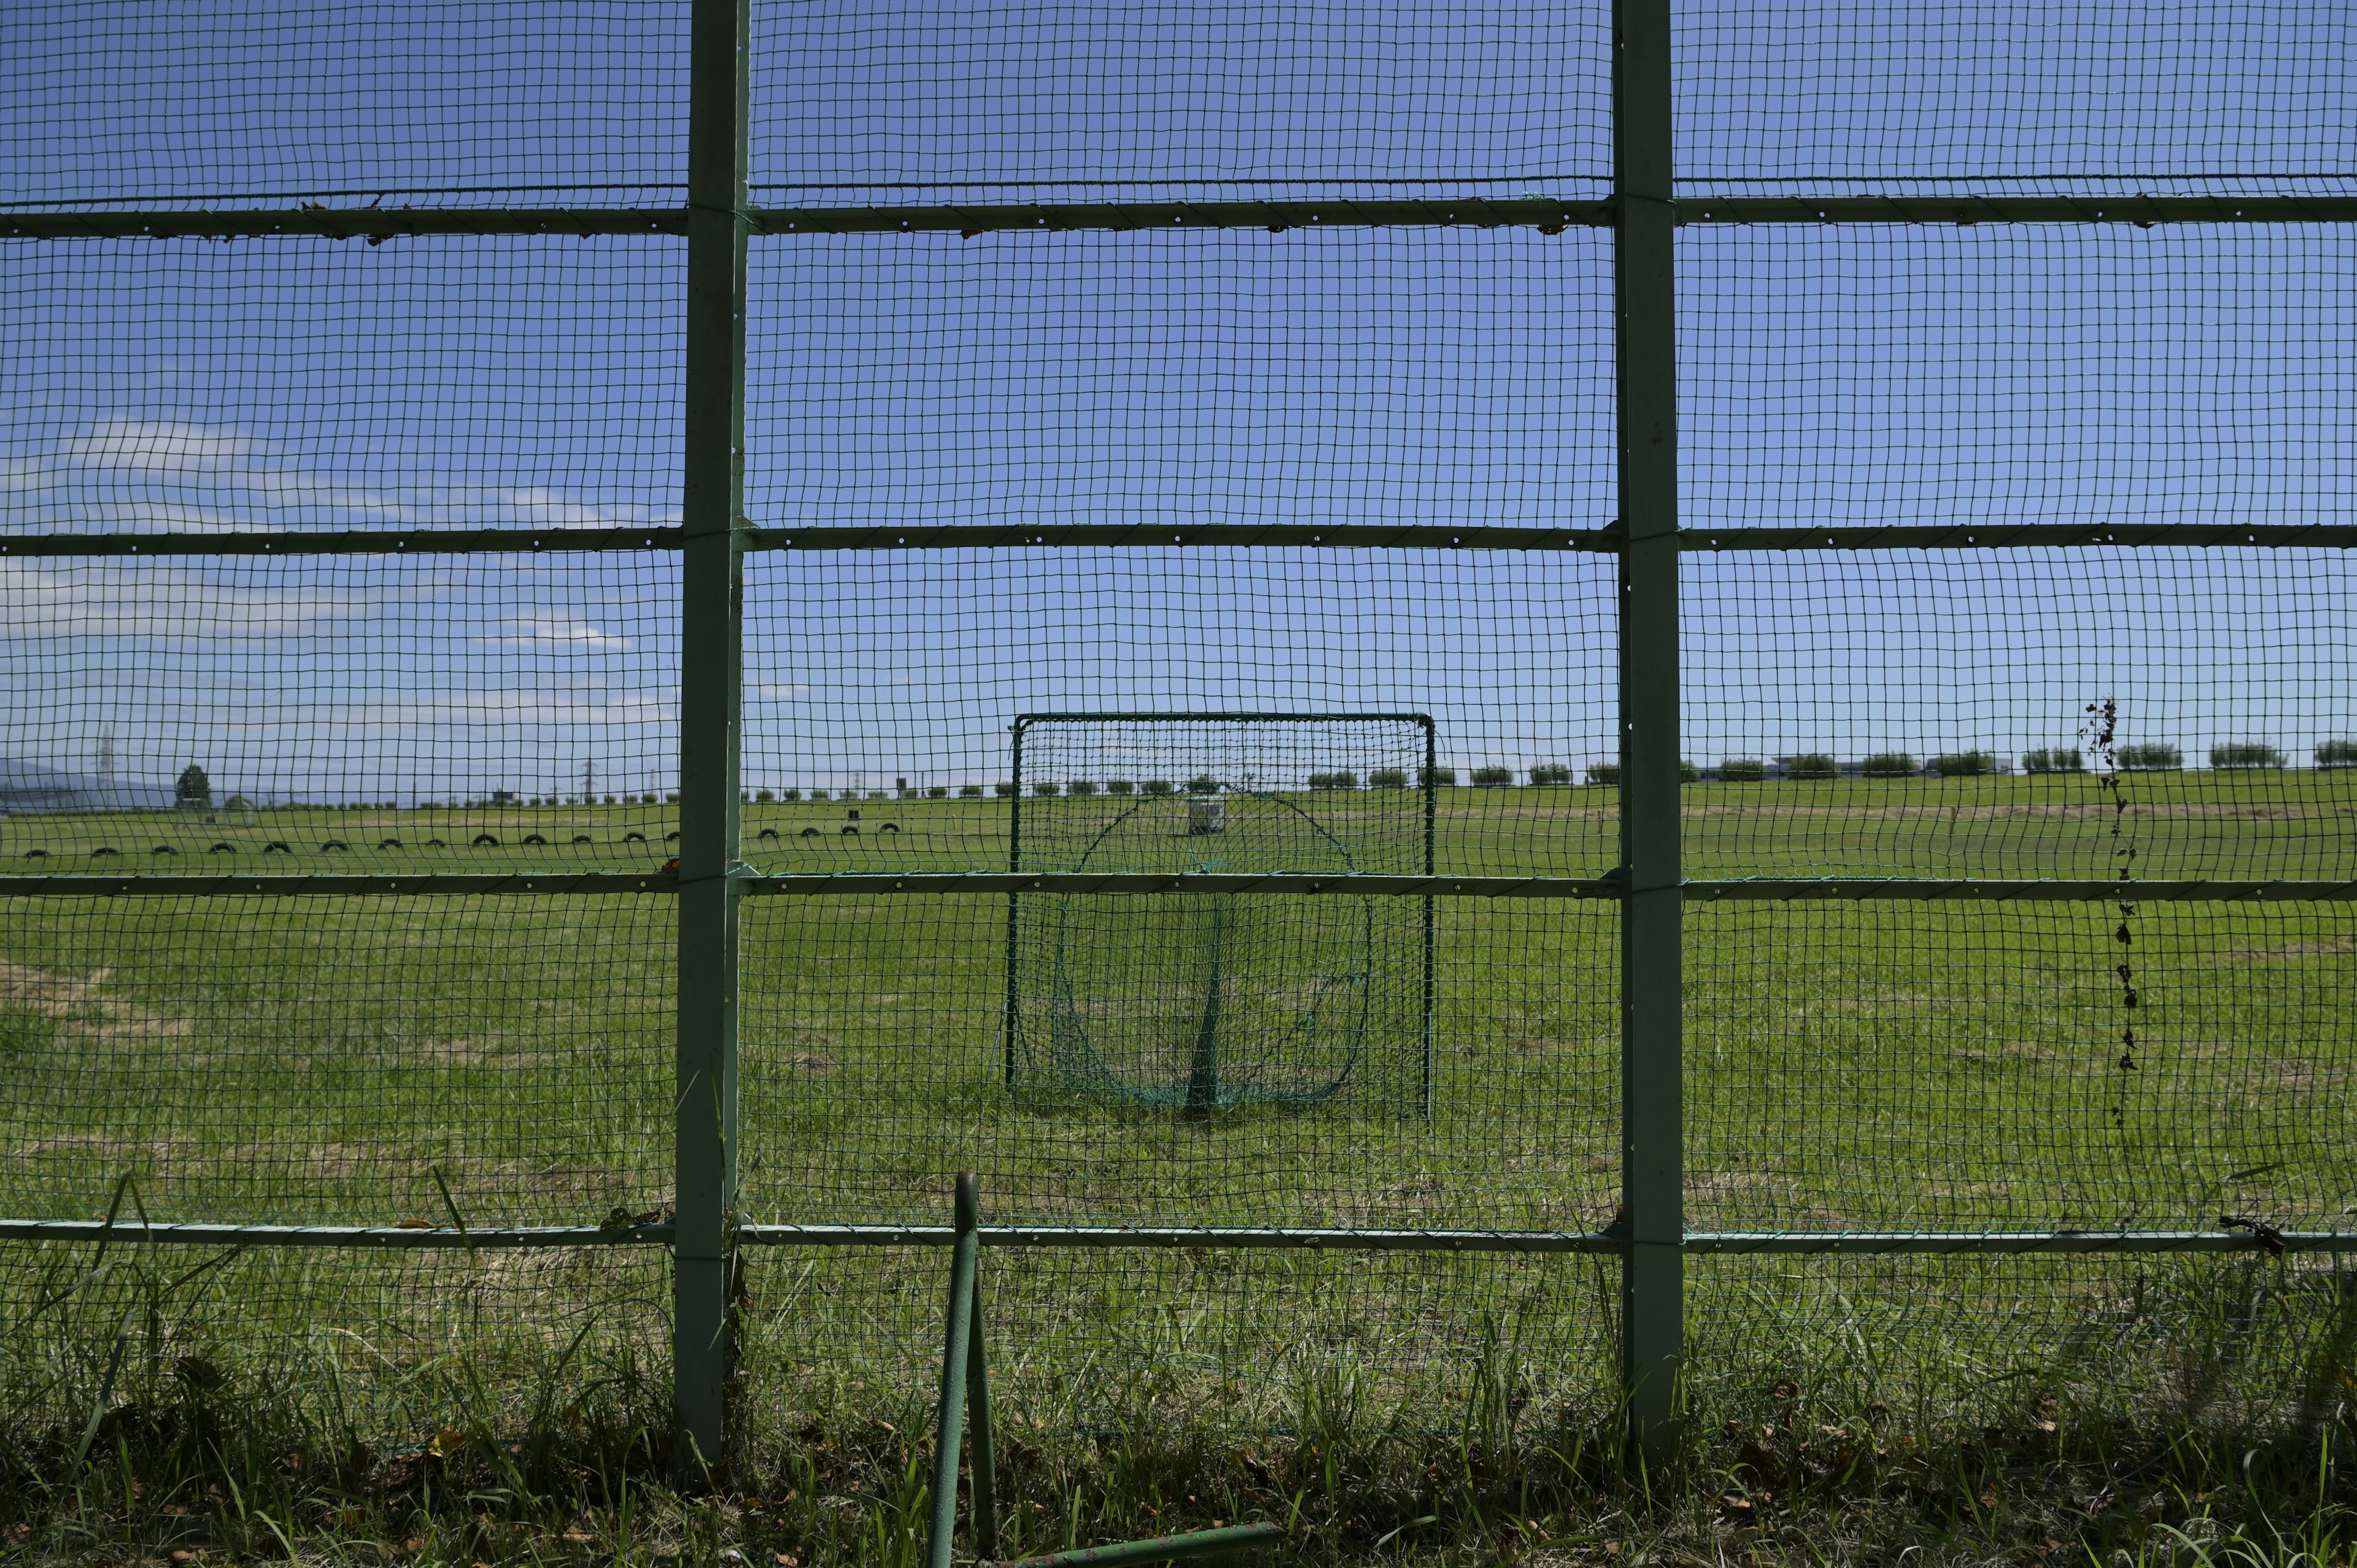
(1812, 765)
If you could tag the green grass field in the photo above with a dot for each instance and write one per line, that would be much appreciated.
(1850, 1066)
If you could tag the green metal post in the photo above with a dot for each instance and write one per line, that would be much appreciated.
(1014, 912)
(982, 1446)
(711, 609)
(957, 1345)
(1652, 1309)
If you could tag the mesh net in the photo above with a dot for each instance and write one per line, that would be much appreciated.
(1973, 1066)
(1198, 1345)
(2078, 98)
(888, 684)
(1018, 102)
(191, 386)
(1102, 1057)
(359, 715)
(1999, 712)
(1806, 1358)
(1317, 377)
(481, 1061)
(874, 1043)
(455, 102)
(2003, 374)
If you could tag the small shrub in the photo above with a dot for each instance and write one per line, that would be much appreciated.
(1343, 780)
(673, 798)
(1158, 787)
(1046, 787)
(1550, 773)
(1432, 777)
(791, 794)
(2335, 754)
(937, 791)
(1492, 778)
(2057, 760)
(1604, 773)
(1120, 786)
(1083, 787)
(765, 794)
(969, 791)
(1814, 764)
(1387, 779)
(872, 794)
(609, 799)
(1887, 765)
(1202, 784)
(1963, 763)
(2244, 753)
(1742, 770)
(1687, 771)
(818, 794)
(1002, 790)
(2159, 756)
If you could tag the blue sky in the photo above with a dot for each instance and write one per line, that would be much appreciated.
(1853, 376)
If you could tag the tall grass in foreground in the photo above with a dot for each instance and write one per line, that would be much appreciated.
(481, 1409)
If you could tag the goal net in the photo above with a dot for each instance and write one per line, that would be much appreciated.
(1204, 1002)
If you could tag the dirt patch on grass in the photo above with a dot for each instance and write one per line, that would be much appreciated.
(2295, 949)
(83, 1005)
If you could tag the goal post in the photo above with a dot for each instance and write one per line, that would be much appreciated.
(1204, 1003)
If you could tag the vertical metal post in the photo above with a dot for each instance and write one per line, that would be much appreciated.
(1431, 813)
(1652, 1309)
(956, 1347)
(711, 609)
(1014, 863)
(982, 1444)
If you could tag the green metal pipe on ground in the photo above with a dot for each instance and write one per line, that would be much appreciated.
(1163, 1549)
(959, 1337)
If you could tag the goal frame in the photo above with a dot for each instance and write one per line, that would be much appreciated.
(1427, 787)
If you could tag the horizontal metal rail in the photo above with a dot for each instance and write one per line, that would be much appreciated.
(2010, 890)
(1883, 1244)
(2014, 536)
(344, 542)
(1230, 535)
(1278, 1236)
(1218, 1237)
(394, 1236)
(2144, 211)
(331, 884)
(74, 885)
(1547, 214)
(1242, 535)
(378, 223)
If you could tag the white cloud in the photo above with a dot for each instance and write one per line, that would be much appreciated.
(555, 631)
(160, 446)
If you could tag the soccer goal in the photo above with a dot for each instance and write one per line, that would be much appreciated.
(1211, 1000)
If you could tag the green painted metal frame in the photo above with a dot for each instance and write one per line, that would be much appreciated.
(711, 664)
(1546, 214)
(202, 1233)
(1653, 1132)
(1644, 209)
(934, 884)
(1603, 541)
(963, 1407)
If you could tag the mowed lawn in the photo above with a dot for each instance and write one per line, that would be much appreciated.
(1849, 1065)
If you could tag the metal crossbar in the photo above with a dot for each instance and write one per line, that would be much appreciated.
(1649, 205)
